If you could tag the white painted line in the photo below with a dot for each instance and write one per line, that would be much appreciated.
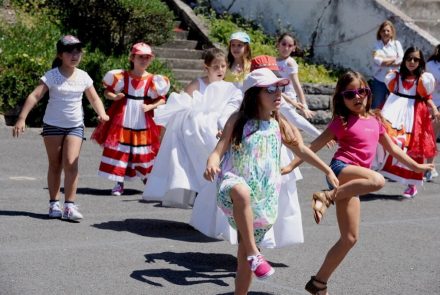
(19, 178)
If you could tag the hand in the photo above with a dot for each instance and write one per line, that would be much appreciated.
(219, 134)
(147, 107)
(331, 177)
(424, 167)
(210, 172)
(286, 169)
(103, 118)
(308, 113)
(298, 105)
(436, 117)
(119, 96)
(19, 127)
(331, 144)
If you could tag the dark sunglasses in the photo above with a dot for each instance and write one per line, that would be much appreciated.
(412, 58)
(272, 89)
(351, 94)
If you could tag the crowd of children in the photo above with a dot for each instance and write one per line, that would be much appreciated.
(230, 140)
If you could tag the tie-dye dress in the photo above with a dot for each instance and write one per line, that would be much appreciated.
(255, 164)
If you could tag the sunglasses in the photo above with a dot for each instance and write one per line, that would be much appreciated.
(272, 89)
(413, 59)
(351, 94)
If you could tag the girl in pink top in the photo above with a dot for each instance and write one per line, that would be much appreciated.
(357, 131)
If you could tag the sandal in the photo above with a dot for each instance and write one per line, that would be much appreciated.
(312, 288)
(326, 199)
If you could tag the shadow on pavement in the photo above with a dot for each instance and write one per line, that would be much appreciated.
(374, 197)
(157, 228)
(201, 268)
(24, 213)
(104, 192)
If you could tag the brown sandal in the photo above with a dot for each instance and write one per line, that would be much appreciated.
(312, 288)
(326, 199)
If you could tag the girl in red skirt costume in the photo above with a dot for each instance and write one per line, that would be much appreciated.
(131, 138)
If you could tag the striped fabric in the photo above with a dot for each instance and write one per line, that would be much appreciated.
(132, 157)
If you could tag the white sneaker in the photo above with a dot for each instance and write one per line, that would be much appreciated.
(55, 210)
(71, 213)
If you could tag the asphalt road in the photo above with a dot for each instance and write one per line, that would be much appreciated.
(126, 246)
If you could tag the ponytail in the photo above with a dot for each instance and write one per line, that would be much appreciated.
(57, 62)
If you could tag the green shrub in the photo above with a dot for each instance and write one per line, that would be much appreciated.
(113, 25)
(27, 52)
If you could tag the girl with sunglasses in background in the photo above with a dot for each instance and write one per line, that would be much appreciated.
(249, 178)
(408, 119)
(357, 131)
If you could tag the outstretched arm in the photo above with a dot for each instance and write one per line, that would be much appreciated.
(401, 156)
(306, 154)
(325, 137)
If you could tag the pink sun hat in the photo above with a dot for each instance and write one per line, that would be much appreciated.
(142, 49)
(262, 78)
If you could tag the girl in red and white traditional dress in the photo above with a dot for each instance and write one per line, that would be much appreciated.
(131, 138)
(408, 118)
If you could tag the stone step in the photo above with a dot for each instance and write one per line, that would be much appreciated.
(181, 34)
(183, 63)
(181, 44)
(166, 52)
(180, 74)
(184, 82)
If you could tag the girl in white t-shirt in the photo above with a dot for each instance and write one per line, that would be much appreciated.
(288, 68)
(433, 67)
(63, 129)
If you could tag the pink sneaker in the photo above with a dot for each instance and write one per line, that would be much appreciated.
(410, 191)
(260, 266)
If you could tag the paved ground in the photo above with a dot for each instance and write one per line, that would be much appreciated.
(125, 246)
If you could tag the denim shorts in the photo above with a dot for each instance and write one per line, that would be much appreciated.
(336, 166)
(49, 130)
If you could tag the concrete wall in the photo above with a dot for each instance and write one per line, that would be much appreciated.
(339, 32)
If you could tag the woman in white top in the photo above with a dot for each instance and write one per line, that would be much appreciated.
(433, 67)
(63, 129)
(387, 55)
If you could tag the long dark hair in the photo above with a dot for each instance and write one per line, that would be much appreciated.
(298, 51)
(404, 72)
(250, 109)
(339, 109)
(436, 55)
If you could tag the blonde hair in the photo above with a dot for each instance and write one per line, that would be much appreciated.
(383, 25)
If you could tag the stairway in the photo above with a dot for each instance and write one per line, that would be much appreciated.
(182, 55)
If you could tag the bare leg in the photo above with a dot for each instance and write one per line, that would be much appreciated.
(243, 217)
(356, 181)
(353, 181)
(243, 277)
(348, 214)
(54, 149)
(72, 147)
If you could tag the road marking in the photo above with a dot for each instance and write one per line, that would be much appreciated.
(20, 178)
